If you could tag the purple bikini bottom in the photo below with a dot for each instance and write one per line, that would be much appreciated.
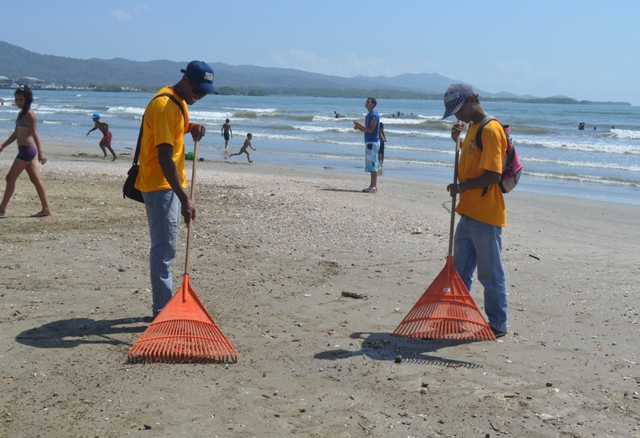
(27, 153)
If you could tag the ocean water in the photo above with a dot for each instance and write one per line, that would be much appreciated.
(601, 164)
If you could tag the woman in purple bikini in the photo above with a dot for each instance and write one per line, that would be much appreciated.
(26, 133)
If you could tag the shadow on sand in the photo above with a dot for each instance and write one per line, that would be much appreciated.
(383, 346)
(69, 333)
(341, 190)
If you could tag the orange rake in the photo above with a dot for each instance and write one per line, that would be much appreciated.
(446, 310)
(183, 332)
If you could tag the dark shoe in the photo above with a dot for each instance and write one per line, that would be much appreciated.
(498, 333)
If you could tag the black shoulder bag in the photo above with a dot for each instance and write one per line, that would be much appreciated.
(129, 190)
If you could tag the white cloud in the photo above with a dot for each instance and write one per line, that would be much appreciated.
(120, 14)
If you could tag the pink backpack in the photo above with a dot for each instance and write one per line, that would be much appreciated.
(511, 165)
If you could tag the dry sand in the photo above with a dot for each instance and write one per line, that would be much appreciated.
(273, 250)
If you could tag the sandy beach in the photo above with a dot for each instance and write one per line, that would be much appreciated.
(273, 249)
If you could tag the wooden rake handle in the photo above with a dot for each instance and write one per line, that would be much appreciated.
(453, 198)
(192, 196)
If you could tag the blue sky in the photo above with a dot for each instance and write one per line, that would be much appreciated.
(583, 49)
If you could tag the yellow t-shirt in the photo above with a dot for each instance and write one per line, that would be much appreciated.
(163, 123)
(490, 208)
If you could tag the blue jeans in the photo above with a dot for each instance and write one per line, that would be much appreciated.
(163, 215)
(479, 244)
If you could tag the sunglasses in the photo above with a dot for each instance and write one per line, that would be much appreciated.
(195, 90)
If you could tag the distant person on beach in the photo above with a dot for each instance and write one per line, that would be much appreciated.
(478, 236)
(383, 140)
(337, 114)
(594, 128)
(581, 126)
(613, 127)
(105, 143)
(2, 101)
(370, 128)
(29, 146)
(162, 178)
(243, 149)
(226, 132)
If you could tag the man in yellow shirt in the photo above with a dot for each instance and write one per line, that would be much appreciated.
(478, 237)
(161, 176)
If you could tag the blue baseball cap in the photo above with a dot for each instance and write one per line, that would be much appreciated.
(201, 74)
(95, 116)
(454, 98)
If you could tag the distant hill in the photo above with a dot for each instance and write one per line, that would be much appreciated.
(114, 73)
(18, 62)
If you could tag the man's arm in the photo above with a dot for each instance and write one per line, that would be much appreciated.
(484, 180)
(360, 127)
(170, 172)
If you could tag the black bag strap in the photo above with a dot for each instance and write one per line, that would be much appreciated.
(483, 123)
(170, 96)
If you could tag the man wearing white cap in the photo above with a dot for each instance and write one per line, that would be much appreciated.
(161, 176)
(478, 237)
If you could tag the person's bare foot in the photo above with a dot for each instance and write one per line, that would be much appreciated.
(2, 212)
(42, 213)
(115, 157)
(104, 157)
(250, 161)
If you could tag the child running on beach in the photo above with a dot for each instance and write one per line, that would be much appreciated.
(106, 135)
(26, 133)
(247, 143)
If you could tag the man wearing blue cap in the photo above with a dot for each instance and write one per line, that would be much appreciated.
(478, 237)
(161, 176)
(105, 143)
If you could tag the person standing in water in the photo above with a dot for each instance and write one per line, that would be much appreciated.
(226, 132)
(106, 135)
(383, 140)
(29, 146)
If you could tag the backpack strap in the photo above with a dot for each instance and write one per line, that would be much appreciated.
(170, 96)
(483, 123)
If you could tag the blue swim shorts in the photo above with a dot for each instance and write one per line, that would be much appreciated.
(371, 157)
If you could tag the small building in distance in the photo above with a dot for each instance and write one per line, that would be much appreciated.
(30, 81)
(5, 82)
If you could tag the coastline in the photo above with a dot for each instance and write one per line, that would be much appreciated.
(273, 248)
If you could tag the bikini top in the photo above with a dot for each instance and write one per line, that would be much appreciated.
(21, 123)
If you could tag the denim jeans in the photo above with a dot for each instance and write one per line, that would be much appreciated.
(163, 215)
(479, 244)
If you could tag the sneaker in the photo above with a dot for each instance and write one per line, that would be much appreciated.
(498, 333)
(370, 190)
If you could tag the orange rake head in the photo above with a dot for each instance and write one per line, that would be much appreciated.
(183, 332)
(446, 310)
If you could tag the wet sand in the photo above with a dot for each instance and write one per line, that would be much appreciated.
(273, 250)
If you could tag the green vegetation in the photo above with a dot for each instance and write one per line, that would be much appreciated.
(331, 92)
(554, 100)
(226, 91)
(112, 88)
